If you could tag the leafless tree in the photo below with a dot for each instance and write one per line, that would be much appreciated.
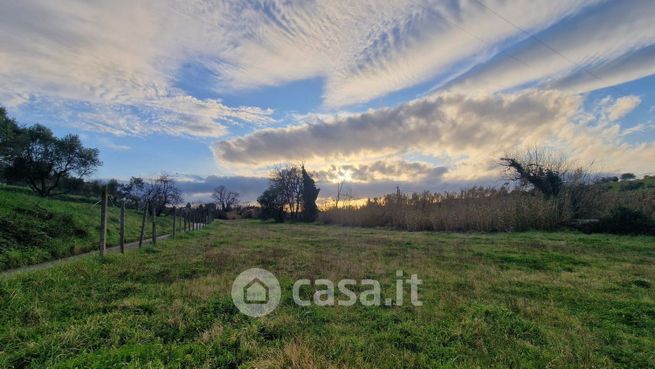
(162, 192)
(225, 199)
(339, 191)
(288, 181)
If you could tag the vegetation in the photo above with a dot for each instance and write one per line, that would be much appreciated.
(549, 194)
(504, 300)
(34, 229)
(226, 200)
(491, 210)
(291, 194)
(34, 156)
(309, 196)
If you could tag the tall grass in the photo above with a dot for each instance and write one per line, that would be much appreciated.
(488, 209)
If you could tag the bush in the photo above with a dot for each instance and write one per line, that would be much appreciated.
(624, 220)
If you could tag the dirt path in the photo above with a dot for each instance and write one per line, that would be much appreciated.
(51, 263)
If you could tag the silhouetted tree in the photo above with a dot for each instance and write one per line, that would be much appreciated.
(272, 204)
(628, 176)
(225, 199)
(162, 192)
(536, 168)
(309, 196)
(288, 184)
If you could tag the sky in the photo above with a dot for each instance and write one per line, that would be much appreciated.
(425, 95)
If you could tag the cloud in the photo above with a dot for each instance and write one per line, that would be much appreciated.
(392, 170)
(117, 59)
(445, 123)
(201, 188)
(367, 49)
(111, 145)
(469, 132)
(641, 127)
(197, 188)
(122, 55)
(622, 107)
(608, 44)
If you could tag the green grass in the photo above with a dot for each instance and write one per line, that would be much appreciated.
(34, 229)
(506, 300)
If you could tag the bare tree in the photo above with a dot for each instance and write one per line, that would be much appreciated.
(339, 190)
(162, 192)
(225, 199)
(288, 182)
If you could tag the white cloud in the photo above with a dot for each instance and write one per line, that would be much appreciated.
(366, 49)
(113, 66)
(622, 107)
(119, 58)
(127, 54)
(111, 145)
(598, 48)
(641, 127)
(469, 132)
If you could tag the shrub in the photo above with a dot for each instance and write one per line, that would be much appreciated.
(624, 220)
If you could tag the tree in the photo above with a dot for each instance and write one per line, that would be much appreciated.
(9, 133)
(113, 191)
(627, 176)
(288, 184)
(225, 199)
(339, 191)
(272, 204)
(540, 169)
(309, 195)
(44, 161)
(162, 192)
(132, 192)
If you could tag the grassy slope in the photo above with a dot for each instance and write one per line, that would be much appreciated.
(528, 300)
(33, 229)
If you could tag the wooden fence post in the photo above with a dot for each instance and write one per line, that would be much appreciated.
(154, 225)
(122, 225)
(174, 216)
(103, 222)
(143, 223)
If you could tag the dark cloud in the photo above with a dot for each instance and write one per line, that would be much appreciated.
(200, 188)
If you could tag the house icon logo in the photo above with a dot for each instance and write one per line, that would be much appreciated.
(256, 292)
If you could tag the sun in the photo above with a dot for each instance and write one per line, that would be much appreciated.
(344, 175)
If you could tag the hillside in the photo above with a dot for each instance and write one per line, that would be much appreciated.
(34, 229)
(503, 300)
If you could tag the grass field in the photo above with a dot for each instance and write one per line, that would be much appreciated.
(34, 229)
(506, 300)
